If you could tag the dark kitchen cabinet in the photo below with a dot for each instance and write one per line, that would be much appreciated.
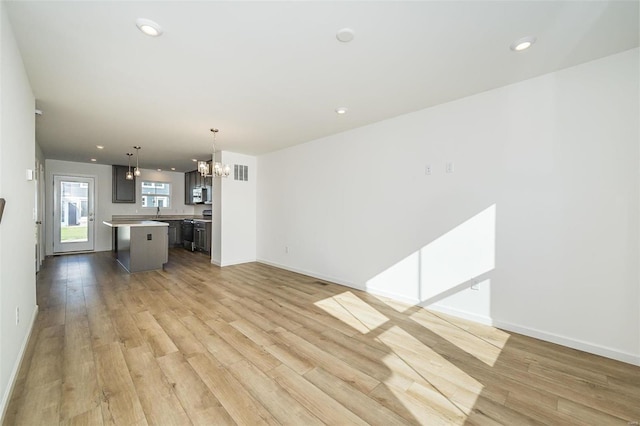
(202, 236)
(188, 195)
(189, 184)
(175, 232)
(194, 179)
(122, 190)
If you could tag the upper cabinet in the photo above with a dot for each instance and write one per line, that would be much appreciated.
(194, 179)
(123, 190)
(189, 184)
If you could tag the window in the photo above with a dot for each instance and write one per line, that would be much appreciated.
(156, 194)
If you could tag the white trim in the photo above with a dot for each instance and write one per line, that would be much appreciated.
(16, 368)
(570, 343)
(390, 295)
(481, 319)
(460, 314)
(312, 274)
(236, 262)
(541, 335)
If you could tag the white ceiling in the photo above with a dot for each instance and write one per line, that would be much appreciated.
(270, 74)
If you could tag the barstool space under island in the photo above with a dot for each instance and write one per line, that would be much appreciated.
(142, 245)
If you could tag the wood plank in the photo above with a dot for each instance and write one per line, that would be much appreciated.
(40, 405)
(336, 366)
(240, 405)
(46, 366)
(249, 350)
(224, 352)
(199, 403)
(88, 418)
(159, 403)
(294, 360)
(120, 402)
(316, 401)
(186, 342)
(160, 343)
(79, 385)
(126, 329)
(363, 406)
(272, 396)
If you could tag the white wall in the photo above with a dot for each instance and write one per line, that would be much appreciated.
(542, 208)
(104, 208)
(17, 258)
(234, 215)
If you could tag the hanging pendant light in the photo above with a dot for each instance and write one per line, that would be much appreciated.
(203, 168)
(129, 175)
(219, 169)
(136, 172)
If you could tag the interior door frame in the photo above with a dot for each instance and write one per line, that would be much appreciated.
(71, 247)
(38, 216)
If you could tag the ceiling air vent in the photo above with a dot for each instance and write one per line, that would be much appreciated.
(240, 172)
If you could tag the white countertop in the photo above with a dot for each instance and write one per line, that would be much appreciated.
(121, 223)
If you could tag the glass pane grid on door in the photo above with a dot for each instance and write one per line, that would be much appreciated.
(74, 212)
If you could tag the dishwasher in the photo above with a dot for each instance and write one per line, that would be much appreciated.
(187, 234)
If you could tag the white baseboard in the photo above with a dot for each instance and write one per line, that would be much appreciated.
(569, 342)
(235, 262)
(542, 335)
(460, 314)
(527, 331)
(390, 295)
(16, 368)
(311, 274)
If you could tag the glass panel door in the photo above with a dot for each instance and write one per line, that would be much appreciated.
(73, 214)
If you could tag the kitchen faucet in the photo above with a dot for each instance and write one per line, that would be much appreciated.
(157, 211)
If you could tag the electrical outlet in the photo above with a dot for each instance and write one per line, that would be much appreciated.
(427, 169)
(17, 315)
(449, 167)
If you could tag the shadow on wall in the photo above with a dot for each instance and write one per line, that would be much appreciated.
(460, 259)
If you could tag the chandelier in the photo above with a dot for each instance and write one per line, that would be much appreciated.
(219, 169)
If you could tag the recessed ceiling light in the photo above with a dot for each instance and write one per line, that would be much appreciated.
(341, 110)
(159, 170)
(149, 27)
(93, 160)
(194, 160)
(345, 35)
(173, 168)
(522, 43)
(100, 146)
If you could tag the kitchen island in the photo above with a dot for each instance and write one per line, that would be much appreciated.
(142, 245)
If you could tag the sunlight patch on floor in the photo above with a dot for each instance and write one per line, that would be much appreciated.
(428, 406)
(422, 361)
(353, 311)
(335, 309)
(476, 346)
(433, 370)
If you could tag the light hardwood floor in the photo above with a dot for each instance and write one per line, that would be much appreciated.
(252, 344)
